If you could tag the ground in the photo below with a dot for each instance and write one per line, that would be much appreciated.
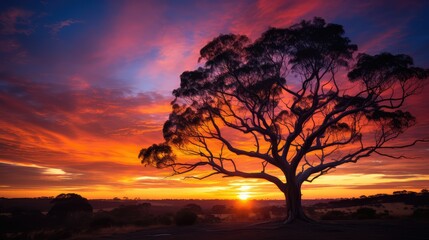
(404, 229)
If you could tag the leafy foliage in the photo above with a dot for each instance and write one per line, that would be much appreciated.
(157, 155)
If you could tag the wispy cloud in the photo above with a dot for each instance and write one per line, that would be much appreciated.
(57, 27)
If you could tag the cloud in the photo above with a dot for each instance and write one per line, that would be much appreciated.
(9, 45)
(58, 107)
(31, 175)
(16, 21)
(57, 27)
(11, 52)
(61, 128)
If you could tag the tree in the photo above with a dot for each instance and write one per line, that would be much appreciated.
(185, 217)
(195, 208)
(66, 204)
(283, 101)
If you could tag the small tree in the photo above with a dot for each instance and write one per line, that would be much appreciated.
(195, 208)
(66, 204)
(283, 101)
(185, 216)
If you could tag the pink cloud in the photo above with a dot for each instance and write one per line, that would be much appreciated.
(177, 44)
(16, 21)
(381, 41)
(131, 33)
(56, 27)
(9, 45)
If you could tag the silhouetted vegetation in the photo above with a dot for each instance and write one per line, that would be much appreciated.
(28, 223)
(165, 219)
(220, 209)
(185, 216)
(335, 215)
(285, 94)
(69, 204)
(365, 213)
(407, 197)
(421, 213)
(195, 208)
(360, 213)
(133, 214)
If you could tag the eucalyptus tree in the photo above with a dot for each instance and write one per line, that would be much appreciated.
(298, 102)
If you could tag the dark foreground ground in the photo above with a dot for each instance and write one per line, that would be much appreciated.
(353, 230)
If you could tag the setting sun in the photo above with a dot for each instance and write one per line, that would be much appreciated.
(243, 196)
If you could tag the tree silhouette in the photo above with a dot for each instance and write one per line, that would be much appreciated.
(66, 204)
(285, 103)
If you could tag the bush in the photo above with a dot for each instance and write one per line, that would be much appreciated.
(365, 213)
(22, 220)
(70, 203)
(219, 209)
(133, 214)
(334, 215)
(185, 217)
(421, 213)
(76, 221)
(194, 208)
(165, 219)
(210, 218)
(102, 221)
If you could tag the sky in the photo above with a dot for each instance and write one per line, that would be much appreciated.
(84, 85)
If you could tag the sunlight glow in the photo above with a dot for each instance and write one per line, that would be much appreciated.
(243, 193)
(54, 171)
(243, 196)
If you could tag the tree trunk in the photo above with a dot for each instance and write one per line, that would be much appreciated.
(294, 204)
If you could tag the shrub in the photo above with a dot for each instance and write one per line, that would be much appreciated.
(165, 219)
(185, 217)
(194, 208)
(77, 221)
(334, 215)
(210, 218)
(102, 221)
(365, 213)
(421, 213)
(133, 214)
(131, 211)
(70, 203)
(22, 220)
(219, 209)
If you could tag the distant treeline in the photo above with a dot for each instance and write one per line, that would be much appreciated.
(71, 214)
(404, 196)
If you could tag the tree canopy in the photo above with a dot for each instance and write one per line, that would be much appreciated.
(299, 100)
(69, 203)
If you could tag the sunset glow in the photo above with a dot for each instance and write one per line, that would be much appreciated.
(244, 194)
(84, 85)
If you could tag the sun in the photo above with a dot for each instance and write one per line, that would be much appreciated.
(243, 193)
(243, 196)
